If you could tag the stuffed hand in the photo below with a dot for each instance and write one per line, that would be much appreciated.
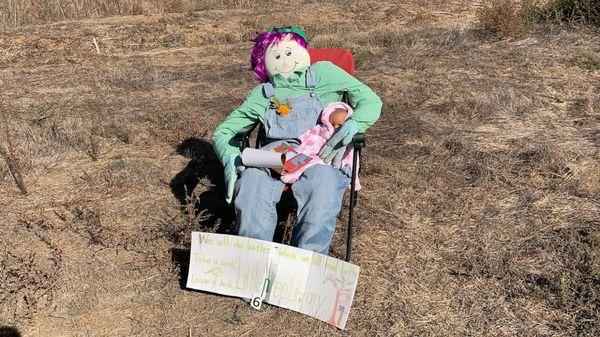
(334, 149)
(233, 166)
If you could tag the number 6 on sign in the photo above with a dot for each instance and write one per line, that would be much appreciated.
(256, 303)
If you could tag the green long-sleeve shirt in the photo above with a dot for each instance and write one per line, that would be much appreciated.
(331, 83)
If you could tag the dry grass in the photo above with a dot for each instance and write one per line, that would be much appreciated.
(572, 11)
(513, 19)
(13, 163)
(24, 12)
(504, 18)
(480, 209)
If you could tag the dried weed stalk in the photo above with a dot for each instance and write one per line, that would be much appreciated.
(503, 18)
(194, 217)
(13, 162)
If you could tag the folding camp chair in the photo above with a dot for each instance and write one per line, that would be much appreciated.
(342, 58)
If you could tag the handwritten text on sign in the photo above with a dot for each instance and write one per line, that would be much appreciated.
(311, 283)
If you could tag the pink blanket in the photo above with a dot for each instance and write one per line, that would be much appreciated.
(313, 140)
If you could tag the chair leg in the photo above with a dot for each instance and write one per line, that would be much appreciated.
(353, 198)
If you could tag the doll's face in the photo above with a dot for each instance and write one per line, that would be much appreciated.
(338, 117)
(285, 57)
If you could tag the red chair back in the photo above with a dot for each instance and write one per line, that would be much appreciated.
(340, 57)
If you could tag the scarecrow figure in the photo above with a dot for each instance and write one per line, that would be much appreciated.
(288, 103)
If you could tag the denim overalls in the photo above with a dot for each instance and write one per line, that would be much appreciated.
(318, 192)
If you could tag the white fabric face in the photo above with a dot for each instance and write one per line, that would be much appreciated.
(285, 57)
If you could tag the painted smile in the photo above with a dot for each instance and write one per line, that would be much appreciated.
(287, 72)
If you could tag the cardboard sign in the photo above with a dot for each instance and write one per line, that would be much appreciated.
(313, 284)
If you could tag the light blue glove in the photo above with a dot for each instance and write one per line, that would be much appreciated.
(334, 149)
(233, 167)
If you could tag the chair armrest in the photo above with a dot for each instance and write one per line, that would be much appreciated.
(358, 141)
(245, 133)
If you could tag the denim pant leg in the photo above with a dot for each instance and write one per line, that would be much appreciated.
(319, 192)
(256, 194)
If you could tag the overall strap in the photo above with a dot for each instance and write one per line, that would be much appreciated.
(268, 90)
(311, 80)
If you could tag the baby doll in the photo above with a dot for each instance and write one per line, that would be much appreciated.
(338, 117)
(332, 117)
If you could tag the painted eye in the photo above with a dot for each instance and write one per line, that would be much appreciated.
(288, 53)
(277, 56)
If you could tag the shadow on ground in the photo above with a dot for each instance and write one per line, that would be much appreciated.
(208, 206)
(6, 331)
(181, 258)
(216, 213)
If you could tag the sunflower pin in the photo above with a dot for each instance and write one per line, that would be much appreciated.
(283, 109)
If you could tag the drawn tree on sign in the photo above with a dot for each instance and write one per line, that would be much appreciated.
(342, 299)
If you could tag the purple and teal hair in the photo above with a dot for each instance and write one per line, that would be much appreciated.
(262, 42)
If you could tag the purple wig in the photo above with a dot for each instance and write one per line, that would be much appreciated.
(261, 43)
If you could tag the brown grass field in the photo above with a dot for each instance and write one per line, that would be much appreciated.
(479, 214)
